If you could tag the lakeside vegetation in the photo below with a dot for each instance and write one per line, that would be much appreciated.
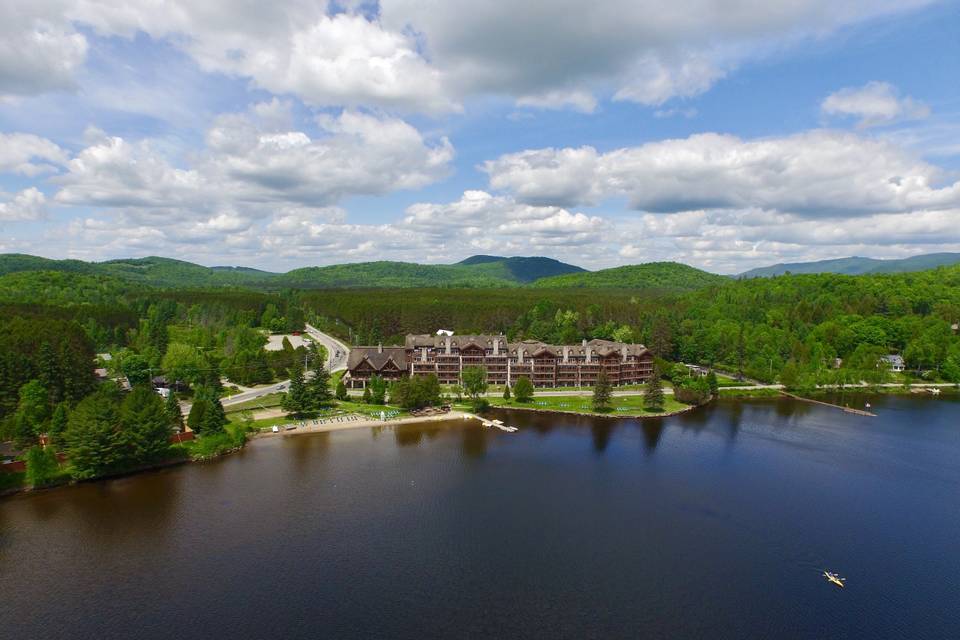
(798, 330)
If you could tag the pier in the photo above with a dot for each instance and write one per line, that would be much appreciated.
(859, 412)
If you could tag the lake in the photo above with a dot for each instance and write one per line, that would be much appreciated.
(713, 524)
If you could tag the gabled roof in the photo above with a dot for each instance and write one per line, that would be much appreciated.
(377, 358)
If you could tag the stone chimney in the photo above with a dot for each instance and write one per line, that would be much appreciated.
(566, 355)
(584, 343)
(496, 346)
(589, 354)
(379, 347)
(519, 355)
(447, 345)
(423, 354)
(625, 350)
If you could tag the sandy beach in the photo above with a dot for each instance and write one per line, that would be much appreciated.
(331, 425)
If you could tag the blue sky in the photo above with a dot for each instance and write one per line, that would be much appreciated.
(724, 135)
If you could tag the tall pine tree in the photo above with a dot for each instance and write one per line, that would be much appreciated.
(318, 387)
(602, 392)
(653, 393)
(296, 401)
(95, 445)
(146, 427)
(173, 411)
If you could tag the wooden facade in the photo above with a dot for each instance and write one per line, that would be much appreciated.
(545, 365)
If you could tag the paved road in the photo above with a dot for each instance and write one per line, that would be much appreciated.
(337, 351)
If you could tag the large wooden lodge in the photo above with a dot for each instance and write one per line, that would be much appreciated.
(545, 365)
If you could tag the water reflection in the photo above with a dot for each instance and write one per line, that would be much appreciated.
(601, 430)
(652, 429)
(408, 435)
(473, 444)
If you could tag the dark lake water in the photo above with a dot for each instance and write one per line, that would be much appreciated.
(716, 524)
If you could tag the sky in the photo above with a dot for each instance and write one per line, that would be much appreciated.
(724, 134)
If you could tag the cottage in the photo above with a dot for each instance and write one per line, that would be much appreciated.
(893, 362)
(446, 355)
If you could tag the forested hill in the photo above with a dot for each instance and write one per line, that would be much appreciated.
(155, 271)
(478, 271)
(858, 266)
(653, 275)
(526, 269)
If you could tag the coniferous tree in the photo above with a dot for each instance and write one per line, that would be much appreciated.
(318, 387)
(145, 426)
(378, 390)
(206, 415)
(506, 392)
(523, 389)
(296, 401)
(58, 425)
(367, 396)
(93, 439)
(342, 391)
(653, 393)
(602, 392)
(173, 411)
(33, 411)
(50, 372)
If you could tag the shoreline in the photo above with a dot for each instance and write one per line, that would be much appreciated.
(360, 424)
(614, 415)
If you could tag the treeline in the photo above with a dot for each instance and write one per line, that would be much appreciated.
(823, 328)
(387, 315)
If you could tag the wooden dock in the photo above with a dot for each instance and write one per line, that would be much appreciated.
(859, 412)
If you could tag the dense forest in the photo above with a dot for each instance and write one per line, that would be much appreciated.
(799, 329)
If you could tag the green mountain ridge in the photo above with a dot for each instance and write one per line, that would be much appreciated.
(856, 265)
(478, 271)
(652, 275)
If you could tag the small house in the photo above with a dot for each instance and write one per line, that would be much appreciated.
(893, 362)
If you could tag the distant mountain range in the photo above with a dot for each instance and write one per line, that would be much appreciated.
(652, 275)
(858, 266)
(476, 271)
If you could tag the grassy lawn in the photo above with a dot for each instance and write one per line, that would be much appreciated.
(748, 393)
(625, 406)
(263, 402)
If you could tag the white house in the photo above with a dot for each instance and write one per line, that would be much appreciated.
(894, 362)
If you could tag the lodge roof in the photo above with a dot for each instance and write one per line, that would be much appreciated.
(377, 357)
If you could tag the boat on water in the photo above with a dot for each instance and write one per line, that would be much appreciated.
(834, 578)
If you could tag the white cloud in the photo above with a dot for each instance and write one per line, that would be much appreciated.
(29, 204)
(29, 155)
(39, 51)
(414, 55)
(246, 163)
(582, 101)
(646, 51)
(478, 214)
(817, 173)
(875, 104)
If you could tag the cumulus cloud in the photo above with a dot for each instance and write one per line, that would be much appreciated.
(646, 51)
(247, 161)
(874, 104)
(39, 50)
(29, 204)
(478, 214)
(817, 173)
(29, 155)
(408, 54)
